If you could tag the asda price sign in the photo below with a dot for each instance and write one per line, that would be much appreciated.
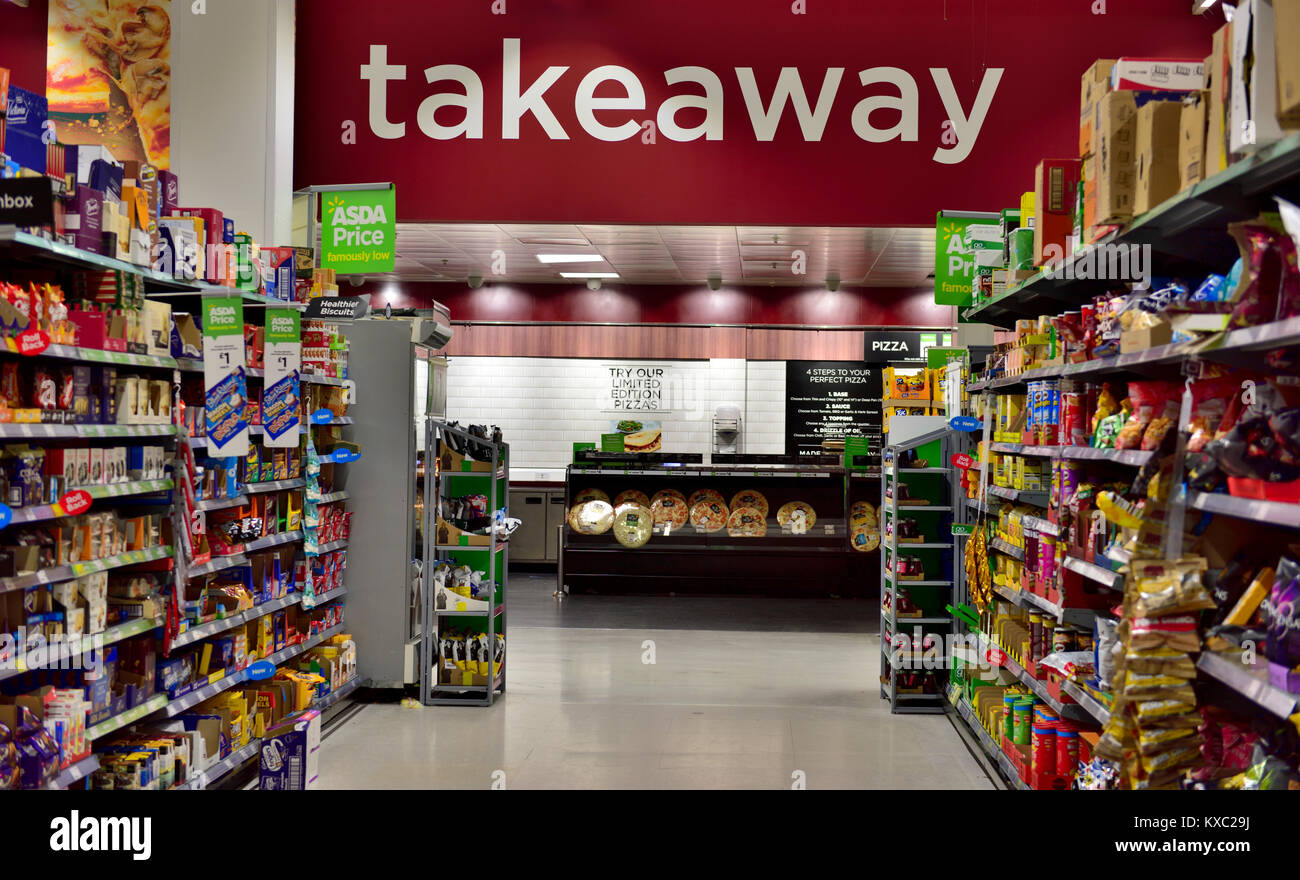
(358, 230)
(954, 265)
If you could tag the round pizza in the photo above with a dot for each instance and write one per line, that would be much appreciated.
(750, 498)
(589, 495)
(747, 522)
(709, 515)
(669, 507)
(705, 495)
(633, 525)
(787, 514)
(862, 514)
(592, 517)
(865, 540)
(631, 496)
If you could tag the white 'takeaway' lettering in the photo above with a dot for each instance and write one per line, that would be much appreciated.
(765, 112)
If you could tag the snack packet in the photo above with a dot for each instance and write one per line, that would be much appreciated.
(1159, 587)
(1281, 615)
(1178, 633)
(1160, 661)
(1270, 282)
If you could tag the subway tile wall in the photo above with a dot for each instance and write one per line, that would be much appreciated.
(545, 405)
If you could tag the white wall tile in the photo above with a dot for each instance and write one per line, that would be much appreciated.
(544, 405)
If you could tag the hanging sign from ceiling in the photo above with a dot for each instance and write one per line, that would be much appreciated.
(681, 112)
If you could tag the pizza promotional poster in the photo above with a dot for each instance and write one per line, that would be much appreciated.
(108, 76)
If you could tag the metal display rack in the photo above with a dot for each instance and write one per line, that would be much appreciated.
(25, 251)
(1187, 230)
(444, 543)
(938, 485)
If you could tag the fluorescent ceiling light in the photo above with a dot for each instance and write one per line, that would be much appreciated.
(588, 274)
(570, 258)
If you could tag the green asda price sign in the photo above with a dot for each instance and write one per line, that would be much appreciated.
(954, 266)
(358, 230)
(282, 325)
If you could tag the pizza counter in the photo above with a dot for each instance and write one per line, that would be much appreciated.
(751, 528)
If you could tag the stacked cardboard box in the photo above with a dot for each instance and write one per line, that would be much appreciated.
(1130, 136)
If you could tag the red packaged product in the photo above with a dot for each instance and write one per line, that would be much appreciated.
(1270, 279)
(1148, 400)
(45, 391)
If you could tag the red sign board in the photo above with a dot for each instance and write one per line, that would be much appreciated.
(75, 502)
(996, 657)
(33, 342)
(961, 460)
(833, 112)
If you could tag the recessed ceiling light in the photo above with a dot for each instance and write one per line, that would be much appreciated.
(588, 274)
(570, 258)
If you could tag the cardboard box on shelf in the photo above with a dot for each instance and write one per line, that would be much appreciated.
(1191, 140)
(1156, 148)
(158, 327)
(1286, 32)
(1096, 82)
(1252, 107)
(1148, 337)
(1111, 189)
(1056, 183)
(1158, 74)
(187, 338)
(1217, 83)
(290, 754)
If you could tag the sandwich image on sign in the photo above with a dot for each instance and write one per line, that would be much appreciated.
(650, 440)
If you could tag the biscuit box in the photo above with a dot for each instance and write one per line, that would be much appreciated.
(291, 754)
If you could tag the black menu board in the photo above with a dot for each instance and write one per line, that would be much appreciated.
(829, 400)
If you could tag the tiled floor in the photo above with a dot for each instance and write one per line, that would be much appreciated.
(737, 703)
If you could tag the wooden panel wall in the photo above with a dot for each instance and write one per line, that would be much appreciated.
(653, 342)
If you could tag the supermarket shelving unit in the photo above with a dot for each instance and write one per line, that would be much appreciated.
(28, 251)
(452, 474)
(1188, 230)
(935, 484)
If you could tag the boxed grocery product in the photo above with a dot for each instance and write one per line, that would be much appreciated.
(25, 117)
(1056, 183)
(906, 383)
(85, 220)
(1191, 139)
(1286, 23)
(1159, 333)
(1156, 145)
(290, 754)
(186, 337)
(1252, 96)
(158, 327)
(211, 241)
(1158, 74)
(1096, 82)
(1111, 189)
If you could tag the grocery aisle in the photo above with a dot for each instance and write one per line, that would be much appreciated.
(742, 705)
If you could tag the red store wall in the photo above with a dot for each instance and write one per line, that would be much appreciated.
(22, 43)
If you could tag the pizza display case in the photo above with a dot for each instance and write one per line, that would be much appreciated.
(754, 527)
